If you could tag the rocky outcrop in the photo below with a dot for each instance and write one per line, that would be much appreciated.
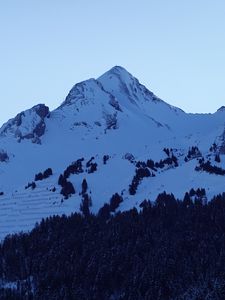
(29, 124)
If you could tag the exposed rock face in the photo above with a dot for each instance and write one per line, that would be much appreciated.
(111, 120)
(42, 110)
(114, 103)
(29, 124)
(80, 93)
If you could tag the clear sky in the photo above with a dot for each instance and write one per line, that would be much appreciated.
(176, 48)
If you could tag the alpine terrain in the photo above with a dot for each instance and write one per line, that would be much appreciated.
(110, 145)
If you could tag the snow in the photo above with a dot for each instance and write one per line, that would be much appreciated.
(111, 115)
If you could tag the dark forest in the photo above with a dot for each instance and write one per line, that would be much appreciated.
(169, 249)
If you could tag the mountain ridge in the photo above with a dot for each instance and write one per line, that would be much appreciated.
(121, 73)
(115, 134)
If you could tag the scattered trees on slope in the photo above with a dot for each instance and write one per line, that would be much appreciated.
(40, 176)
(207, 167)
(193, 152)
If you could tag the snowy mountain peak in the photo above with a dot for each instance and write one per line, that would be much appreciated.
(79, 91)
(134, 96)
(118, 71)
(120, 83)
(118, 136)
(29, 124)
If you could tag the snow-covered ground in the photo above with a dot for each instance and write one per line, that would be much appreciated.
(113, 115)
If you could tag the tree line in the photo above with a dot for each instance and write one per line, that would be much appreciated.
(169, 249)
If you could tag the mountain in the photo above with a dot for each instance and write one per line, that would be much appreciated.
(118, 136)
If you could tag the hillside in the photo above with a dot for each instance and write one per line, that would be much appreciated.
(118, 136)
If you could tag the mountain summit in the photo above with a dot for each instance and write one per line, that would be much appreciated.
(112, 142)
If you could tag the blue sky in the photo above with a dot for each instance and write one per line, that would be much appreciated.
(176, 48)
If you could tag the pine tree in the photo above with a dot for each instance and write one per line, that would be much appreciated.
(84, 186)
(85, 205)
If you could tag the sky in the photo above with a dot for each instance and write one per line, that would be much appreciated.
(175, 48)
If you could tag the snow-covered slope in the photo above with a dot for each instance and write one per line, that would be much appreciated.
(112, 123)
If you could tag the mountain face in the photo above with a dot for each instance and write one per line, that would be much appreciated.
(111, 141)
(29, 124)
